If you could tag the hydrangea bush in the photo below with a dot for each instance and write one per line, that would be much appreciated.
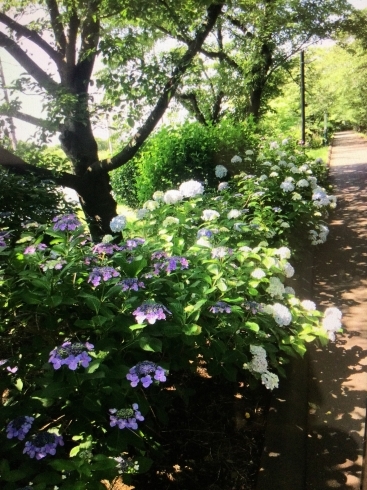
(92, 332)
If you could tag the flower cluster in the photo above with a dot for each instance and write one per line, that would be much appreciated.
(332, 321)
(221, 171)
(275, 288)
(259, 364)
(320, 235)
(131, 284)
(220, 307)
(222, 186)
(43, 444)
(234, 214)
(71, 355)
(280, 313)
(150, 311)
(3, 236)
(105, 248)
(68, 222)
(102, 273)
(126, 418)
(209, 215)
(56, 264)
(221, 252)
(118, 223)
(204, 232)
(254, 307)
(172, 196)
(19, 427)
(238, 159)
(31, 249)
(191, 188)
(146, 372)
(170, 220)
(170, 264)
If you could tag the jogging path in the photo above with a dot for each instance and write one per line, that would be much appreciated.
(316, 427)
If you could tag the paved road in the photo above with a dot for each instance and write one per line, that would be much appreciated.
(316, 426)
(338, 375)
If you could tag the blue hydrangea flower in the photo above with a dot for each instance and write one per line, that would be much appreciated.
(19, 427)
(71, 355)
(254, 307)
(126, 418)
(68, 222)
(150, 311)
(220, 307)
(131, 284)
(146, 372)
(204, 232)
(43, 444)
(99, 274)
(118, 223)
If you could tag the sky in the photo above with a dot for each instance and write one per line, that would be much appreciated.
(33, 105)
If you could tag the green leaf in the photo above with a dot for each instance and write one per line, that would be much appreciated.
(19, 384)
(91, 301)
(252, 326)
(63, 464)
(150, 344)
(222, 286)
(192, 329)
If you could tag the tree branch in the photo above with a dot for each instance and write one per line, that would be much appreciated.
(189, 101)
(57, 26)
(169, 90)
(27, 63)
(16, 165)
(33, 36)
(43, 123)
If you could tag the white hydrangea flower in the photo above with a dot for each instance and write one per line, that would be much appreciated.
(273, 145)
(151, 205)
(107, 239)
(236, 159)
(249, 152)
(287, 186)
(303, 183)
(296, 196)
(288, 270)
(246, 249)
(319, 160)
(313, 181)
(209, 215)
(273, 174)
(220, 171)
(283, 163)
(204, 242)
(158, 196)
(170, 220)
(222, 186)
(258, 364)
(283, 253)
(289, 290)
(234, 213)
(267, 163)
(258, 350)
(285, 141)
(191, 188)
(270, 380)
(281, 314)
(172, 196)
(263, 177)
(308, 305)
(284, 224)
(118, 223)
(332, 321)
(294, 170)
(275, 288)
(258, 273)
(141, 213)
(304, 167)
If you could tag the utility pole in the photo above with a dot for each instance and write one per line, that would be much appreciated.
(303, 105)
(12, 134)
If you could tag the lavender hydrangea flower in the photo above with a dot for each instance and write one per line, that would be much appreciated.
(221, 252)
(31, 249)
(102, 273)
(134, 242)
(71, 355)
(146, 372)
(105, 248)
(220, 307)
(126, 418)
(3, 236)
(131, 284)
(43, 444)
(68, 222)
(118, 223)
(150, 311)
(19, 427)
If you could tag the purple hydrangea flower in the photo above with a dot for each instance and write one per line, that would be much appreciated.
(3, 236)
(12, 370)
(150, 311)
(68, 222)
(126, 418)
(204, 232)
(102, 273)
(19, 427)
(254, 307)
(71, 355)
(160, 254)
(170, 264)
(134, 242)
(131, 284)
(220, 307)
(3, 361)
(105, 248)
(43, 444)
(146, 372)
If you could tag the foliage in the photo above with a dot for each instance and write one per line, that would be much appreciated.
(199, 282)
(178, 153)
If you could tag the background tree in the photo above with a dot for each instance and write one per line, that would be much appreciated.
(71, 35)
